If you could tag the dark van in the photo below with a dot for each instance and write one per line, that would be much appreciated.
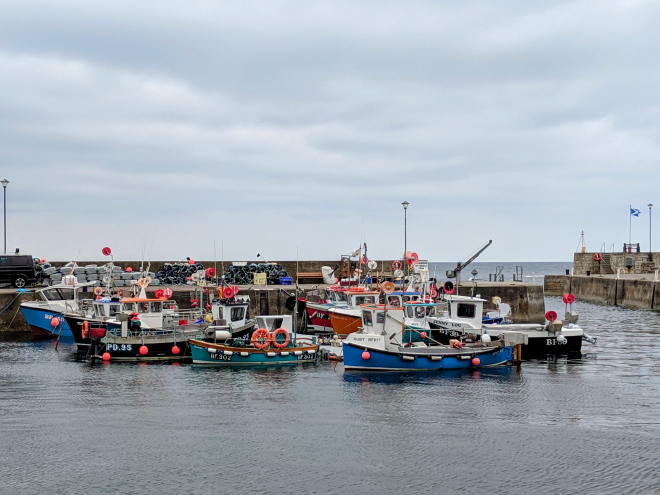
(17, 269)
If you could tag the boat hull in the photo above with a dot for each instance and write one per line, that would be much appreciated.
(344, 324)
(537, 346)
(319, 317)
(206, 353)
(380, 360)
(39, 321)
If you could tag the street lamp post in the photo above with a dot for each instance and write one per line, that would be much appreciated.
(405, 228)
(650, 250)
(5, 183)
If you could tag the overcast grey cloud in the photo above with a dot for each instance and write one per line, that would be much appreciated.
(277, 126)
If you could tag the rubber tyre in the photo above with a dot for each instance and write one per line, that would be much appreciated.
(20, 281)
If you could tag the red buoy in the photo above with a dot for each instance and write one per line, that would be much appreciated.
(210, 272)
(228, 292)
(191, 262)
(175, 350)
(235, 289)
(476, 361)
(43, 260)
(54, 322)
(106, 251)
(159, 293)
(143, 350)
(106, 356)
(551, 316)
(424, 335)
(129, 269)
(366, 355)
(569, 298)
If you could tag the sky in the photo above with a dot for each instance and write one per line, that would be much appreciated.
(297, 128)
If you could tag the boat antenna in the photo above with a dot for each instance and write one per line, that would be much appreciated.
(215, 262)
(74, 263)
(295, 307)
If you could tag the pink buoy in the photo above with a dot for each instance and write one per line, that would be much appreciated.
(191, 262)
(129, 269)
(175, 350)
(54, 322)
(476, 361)
(43, 260)
(106, 356)
(366, 355)
(424, 335)
(143, 350)
(167, 293)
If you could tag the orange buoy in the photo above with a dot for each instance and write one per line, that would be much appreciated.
(175, 350)
(106, 356)
(143, 349)
(54, 322)
(287, 338)
(366, 355)
(476, 361)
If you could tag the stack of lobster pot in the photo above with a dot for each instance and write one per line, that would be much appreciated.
(180, 273)
(244, 275)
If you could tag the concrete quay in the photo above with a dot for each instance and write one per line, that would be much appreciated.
(633, 291)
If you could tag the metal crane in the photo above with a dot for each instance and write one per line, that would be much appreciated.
(456, 272)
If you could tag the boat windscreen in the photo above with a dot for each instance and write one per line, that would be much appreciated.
(341, 297)
(59, 294)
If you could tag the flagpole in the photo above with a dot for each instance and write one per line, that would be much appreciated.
(630, 228)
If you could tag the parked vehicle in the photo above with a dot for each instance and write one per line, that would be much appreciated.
(17, 269)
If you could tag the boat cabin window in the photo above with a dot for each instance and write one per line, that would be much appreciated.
(430, 310)
(59, 294)
(237, 314)
(128, 307)
(220, 317)
(156, 307)
(341, 297)
(366, 319)
(169, 305)
(270, 324)
(465, 310)
(420, 312)
(364, 300)
(393, 301)
(143, 307)
(408, 298)
(380, 318)
(99, 311)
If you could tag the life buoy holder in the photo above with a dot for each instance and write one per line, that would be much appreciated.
(261, 338)
(396, 265)
(597, 257)
(287, 338)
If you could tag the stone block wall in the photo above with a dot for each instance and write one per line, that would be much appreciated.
(583, 262)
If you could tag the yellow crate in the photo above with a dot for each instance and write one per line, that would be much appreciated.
(260, 279)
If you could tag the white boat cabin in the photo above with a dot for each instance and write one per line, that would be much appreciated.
(233, 311)
(416, 314)
(398, 298)
(464, 311)
(336, 296)
(64, 298)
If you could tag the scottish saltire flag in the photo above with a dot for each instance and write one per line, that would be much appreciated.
(634, 212)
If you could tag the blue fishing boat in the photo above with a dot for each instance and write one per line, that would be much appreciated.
(273, 343)
(55, 301)
(385, 343)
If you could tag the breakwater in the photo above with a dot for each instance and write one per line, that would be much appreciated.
(628, 292)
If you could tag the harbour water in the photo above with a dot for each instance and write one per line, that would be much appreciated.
(587, 425)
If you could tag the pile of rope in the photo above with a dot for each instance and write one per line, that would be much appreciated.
(180, 273)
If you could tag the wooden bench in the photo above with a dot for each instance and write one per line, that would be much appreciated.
(310, 275)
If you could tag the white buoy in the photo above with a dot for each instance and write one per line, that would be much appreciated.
(561, 339)
(485, 338)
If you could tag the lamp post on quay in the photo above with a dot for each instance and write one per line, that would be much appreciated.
(5, 183)
(650, 250)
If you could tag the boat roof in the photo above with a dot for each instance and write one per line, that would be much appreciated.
(386, 307)
(137, 299)
(419, 303)
(464, 298)
(405, 293)
(70, 286)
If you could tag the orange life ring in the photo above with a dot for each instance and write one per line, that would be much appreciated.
(85, 329)
(364, 260)
(261, 338)
(358, 289)
(396, 265)
(98, 291)
(287, 338)
(597, 257)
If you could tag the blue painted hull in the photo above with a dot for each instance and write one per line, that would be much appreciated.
(216, 357)
(388, 361)
(39, 321)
